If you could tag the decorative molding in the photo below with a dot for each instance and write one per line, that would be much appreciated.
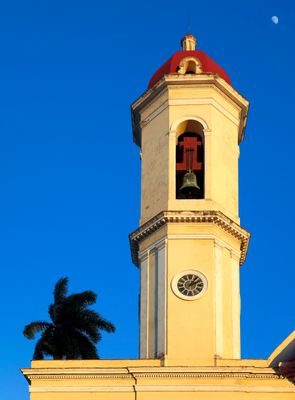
(144, 310)
(196, 217)
(152, 374)
(161, 295)
(236, 335)
(218, 267)
(78, 389)
(234, 255)
(192, 101)
(187, 117)
(187, 62)
(207, 101)
(60, 376)
(159, 244)
(208, 375)
(154, 114)
(198, 379)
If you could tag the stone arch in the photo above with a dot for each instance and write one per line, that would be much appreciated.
(178, 124)
(189, 65)
(189, 158)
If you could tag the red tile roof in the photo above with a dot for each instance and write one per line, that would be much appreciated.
(171, 66)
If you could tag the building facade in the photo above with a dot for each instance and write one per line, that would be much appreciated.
(189, 248)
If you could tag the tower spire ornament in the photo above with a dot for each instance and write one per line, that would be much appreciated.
(188, 42)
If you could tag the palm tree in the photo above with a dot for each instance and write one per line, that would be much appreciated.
(74, 330)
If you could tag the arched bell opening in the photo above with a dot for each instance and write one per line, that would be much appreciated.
(190, 166)
(191, 68)
(189, 65)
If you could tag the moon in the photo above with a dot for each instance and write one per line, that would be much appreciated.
(275, 19)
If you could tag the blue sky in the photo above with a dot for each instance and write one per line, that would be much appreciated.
(69, 172)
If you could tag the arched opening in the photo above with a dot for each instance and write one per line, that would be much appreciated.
(190, 166)
(189, 65)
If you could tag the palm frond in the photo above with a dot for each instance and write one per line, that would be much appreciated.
(39, 351)
(31, 329)
(88, 327)
(71, 346)
(81, 300)
(42, 349)
(60, 289)
(52, 312)
(106, 325)
(87, 348)
(74, 330)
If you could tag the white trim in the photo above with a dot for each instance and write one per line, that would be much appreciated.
(74, 389)
(218, 300)
(207, 165)
(166, 299)
(202, 101)
(154, 114)
(236, 349)
(161, 292)
(144, 311)
(152, 321)
(158, 244)
(187, 117)
(159, 301)
(143, 255)
(195, 217)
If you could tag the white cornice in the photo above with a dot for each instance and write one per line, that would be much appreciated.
(151, 373)
(79, 389)
(195, 217)
(197, 379)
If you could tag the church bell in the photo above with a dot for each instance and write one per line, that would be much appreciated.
(189, 184)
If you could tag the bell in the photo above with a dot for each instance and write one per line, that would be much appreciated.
(189, 185)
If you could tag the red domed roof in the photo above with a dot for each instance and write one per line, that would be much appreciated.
(172, 65)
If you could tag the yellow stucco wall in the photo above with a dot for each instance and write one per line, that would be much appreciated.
(151, 380)
(190, 332)
(155, 160)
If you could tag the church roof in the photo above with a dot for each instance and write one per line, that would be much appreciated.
(172, 66)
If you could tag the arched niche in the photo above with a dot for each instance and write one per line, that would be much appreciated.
(190, 65)
(189, 160)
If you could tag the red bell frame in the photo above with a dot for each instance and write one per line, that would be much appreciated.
(190, 161)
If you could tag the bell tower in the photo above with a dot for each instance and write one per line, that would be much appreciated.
(189, 245)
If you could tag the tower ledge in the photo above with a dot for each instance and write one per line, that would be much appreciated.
(188, 217)
(121, 379)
